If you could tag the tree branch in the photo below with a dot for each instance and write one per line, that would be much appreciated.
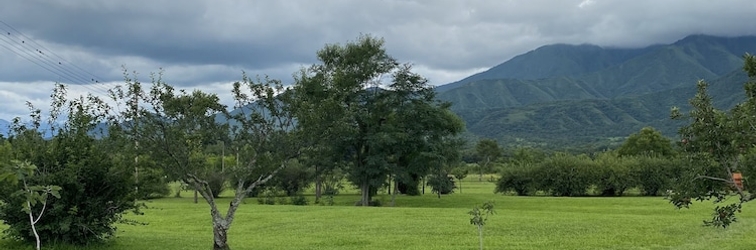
(714, 178)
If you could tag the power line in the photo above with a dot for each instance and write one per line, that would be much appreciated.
(39, 56)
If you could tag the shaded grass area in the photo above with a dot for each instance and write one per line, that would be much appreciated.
(426, 222)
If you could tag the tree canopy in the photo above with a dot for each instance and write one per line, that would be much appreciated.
(647, 141)
(719, 146)
(375, 115)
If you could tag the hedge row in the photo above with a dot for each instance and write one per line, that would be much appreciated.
(606, 175)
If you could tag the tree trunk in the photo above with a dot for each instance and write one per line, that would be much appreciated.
(318, 185)
(34, 228)
(389, 183)
(423, 185)
(195, 197)
(480, 171)
(480, 235)
(393, 196)
(365, 194)
(220, 237)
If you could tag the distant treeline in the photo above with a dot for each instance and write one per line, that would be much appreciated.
(607, 174)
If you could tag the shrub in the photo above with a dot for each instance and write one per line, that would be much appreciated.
(217, 182)
(299, 200)
(566, 175)
(442, 184)
(657, 174)
(152, 184)
(516, 178)
(95, 190)
(268, 197)
(614, 175)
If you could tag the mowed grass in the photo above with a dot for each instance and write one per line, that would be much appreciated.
(426, 222)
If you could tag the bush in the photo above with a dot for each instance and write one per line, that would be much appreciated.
(292, 179)
(217, 183)
(516, 178)
(267, 197)
(614, 175)
(152, 184)
(657, 174)
(566, 175)
(96, 190)
(442, 184)
(299, 200)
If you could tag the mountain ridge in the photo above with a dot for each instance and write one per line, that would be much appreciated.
(613, 101)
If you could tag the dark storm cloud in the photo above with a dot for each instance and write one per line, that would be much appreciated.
(205, 41)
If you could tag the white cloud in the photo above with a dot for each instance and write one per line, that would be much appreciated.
(586, 3)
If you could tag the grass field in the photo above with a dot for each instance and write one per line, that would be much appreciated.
(427, 222)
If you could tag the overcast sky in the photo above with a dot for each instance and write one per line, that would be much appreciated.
(206, 44)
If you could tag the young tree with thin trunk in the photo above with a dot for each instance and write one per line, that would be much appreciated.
(487, 151)
(33, 194)
(479, 217)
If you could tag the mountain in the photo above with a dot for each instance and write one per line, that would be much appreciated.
(554, 61)
(573, 99)
(4, 127)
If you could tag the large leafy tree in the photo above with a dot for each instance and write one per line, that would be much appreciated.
(177, 126)
(370, 113)
(719, 145)
(647, 141)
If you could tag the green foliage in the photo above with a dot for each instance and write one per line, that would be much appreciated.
(566, 175)
(460, 171)
(96, 190)
(293, 179)
(299, 200)
(716, 143)
(441, 184)
(517, 178)
(565, 101)
(487, 151)
(647, 141)
(657, 174)
(372, 128)
(479, 216)
(575, 175)
(615, 175)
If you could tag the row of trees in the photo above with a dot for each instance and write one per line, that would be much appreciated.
(580, 175)
(358, 114)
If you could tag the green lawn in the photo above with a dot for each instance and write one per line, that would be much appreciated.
(427, 222)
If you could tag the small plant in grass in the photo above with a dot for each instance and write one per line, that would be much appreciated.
(480, 216)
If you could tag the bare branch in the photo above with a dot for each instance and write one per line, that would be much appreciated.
(714, 178)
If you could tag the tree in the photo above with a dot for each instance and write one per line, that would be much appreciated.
(176, 126)
(488, 151)
(647, 141)
(480, 216)
(373, 128)
(460, 172)
(33, 194)
(717, 144)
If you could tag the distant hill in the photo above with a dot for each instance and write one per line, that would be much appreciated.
(597, 93)
(4, 127)
(554, 61)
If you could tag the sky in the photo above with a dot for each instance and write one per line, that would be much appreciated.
(207, 44)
